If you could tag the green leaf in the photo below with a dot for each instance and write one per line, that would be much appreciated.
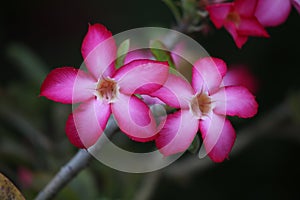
(8, 190)
(193, 148)
(161, 53)
(122, 52)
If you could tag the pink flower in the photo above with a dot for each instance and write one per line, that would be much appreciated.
(203, 106)
(272, 12)
(25, 177)
(238, 19)
(103, 91)
(296, 4)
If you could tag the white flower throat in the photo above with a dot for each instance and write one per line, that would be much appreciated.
(107, 90)
(201, 105)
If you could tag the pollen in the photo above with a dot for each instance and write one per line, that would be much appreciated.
(107, 90)
(201, 105)
(234, 17)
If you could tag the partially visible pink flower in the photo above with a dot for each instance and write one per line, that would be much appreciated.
(272, 12)
(151, 100)
(275, 12)
(241, 75)
(103, 91)
(177, 59)
(25, 177)
(296, 4)
(238, 19)
(203, 106)
(204, 3)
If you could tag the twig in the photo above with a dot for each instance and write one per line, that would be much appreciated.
(71, 169)
(67, 173)
(179, 169)
(174, 10)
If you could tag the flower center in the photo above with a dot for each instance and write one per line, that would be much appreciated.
(107, 90)
(234, 17)
(201, 105)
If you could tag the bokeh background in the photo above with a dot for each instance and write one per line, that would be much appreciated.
(37, 36)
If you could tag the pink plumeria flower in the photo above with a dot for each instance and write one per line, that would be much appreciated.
(238, 19)
(203, 106)
(103, 91)
(274, 12)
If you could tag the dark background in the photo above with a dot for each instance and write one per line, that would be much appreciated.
(53, 31)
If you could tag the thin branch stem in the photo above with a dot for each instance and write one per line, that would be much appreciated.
(65, 175)
(72, 168)
(184, 168)
(174, 10)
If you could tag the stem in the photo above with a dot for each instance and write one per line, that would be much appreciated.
(72, 168)
(184, 168)
(65, 175)
(174, 10)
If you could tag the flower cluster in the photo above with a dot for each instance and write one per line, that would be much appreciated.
(104, 90)
(244, 18)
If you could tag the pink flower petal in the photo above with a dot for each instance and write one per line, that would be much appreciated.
(241, 75)
(175, 92)
(238, 101)
(178, 50)
(99, 51)
(239, 40)
(208, 73)
(251, 27)
(87, 123)
(68, 85)
(245, 8)
(272, 12)
(134, 118)
(178, 133)
(218, 137)
(296, 4)
(137, 55)
(142, 76)
(151, 100)
(219, 12)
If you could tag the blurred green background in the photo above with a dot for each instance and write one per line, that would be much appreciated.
(37, 36)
